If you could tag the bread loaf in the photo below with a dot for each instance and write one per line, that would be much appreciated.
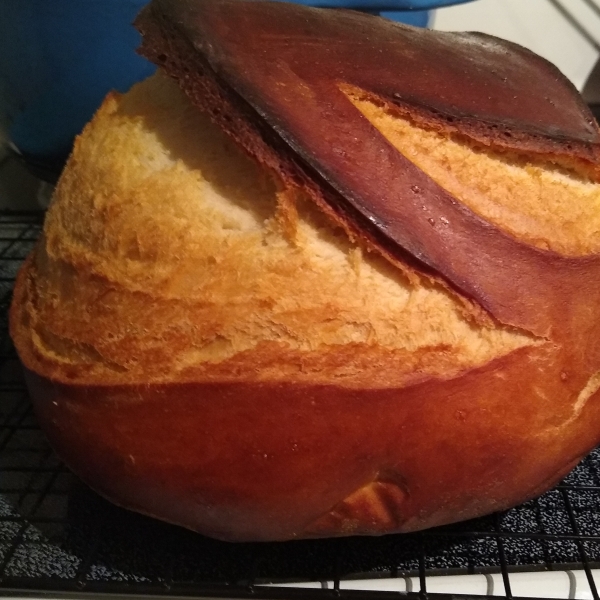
(323, 274)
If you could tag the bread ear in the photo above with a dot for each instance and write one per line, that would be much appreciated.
(285, 103)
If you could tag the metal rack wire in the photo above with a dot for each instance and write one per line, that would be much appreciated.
(58, 536)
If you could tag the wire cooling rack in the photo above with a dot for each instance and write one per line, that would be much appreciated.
(56, 536)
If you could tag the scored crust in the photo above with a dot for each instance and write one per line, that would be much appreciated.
(173, 264)
(224, 328)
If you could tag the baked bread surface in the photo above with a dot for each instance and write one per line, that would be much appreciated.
(233, 323)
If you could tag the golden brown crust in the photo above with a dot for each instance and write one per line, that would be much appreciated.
(300, 434)
(268, 461)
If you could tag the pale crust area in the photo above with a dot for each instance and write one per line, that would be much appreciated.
(168, 254)
(544, 204)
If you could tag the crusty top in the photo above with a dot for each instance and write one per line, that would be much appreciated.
(134, 244)
(276, 77)
(166, 258)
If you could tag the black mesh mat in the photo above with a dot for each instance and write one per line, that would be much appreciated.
(57, 535)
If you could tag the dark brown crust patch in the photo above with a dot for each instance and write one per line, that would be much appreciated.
(496, 89)
(270, 76)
